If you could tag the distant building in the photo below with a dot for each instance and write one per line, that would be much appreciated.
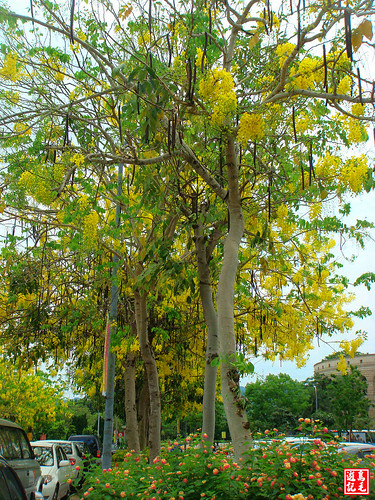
(365, 364)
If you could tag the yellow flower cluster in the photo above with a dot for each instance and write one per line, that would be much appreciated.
(351, 346)
(328, 166)
(9, 69)
(355, 130)
(40, 181)
(283, 51)
(251, 128)
(349, 175)
(315, 210)
(341, 365)
(22, 129)
(81, 35)
(307, 74)
(90, 226)
(358, 109)
(345, 85)
(78, 159)
(304, 122)
(198, 61)
(354, 173)
(217, 90)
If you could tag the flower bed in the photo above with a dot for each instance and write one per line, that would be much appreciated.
(272, 469)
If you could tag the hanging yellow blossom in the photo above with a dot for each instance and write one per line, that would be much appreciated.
(283, 51)
(345, 85)
(354, 173)
(341, 365)
(328, 166)
(358, 109)
(217, 90)
(9, 69)
(351, 346)
(307, 74)
(198, 61)
(90, 226)
(251, 128)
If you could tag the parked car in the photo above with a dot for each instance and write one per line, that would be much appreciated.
(10, 484)
(72, 451)
(358, 449)
(16, 450)
(92, 442)
(56, 469)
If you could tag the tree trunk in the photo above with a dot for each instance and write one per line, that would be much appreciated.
(212, 346)
(143, 414)
(132, 434)
(235, 412)
(151, 373)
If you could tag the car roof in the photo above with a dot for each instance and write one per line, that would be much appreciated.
(42, 442)
(8, 423)
(58, 441)
(355, 445)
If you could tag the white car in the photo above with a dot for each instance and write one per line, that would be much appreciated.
(73, 453)
(55, 467)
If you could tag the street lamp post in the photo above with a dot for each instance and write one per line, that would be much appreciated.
(316, 397)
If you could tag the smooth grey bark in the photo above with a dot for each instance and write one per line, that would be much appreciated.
(235, 412)
(143, 415)
(132, 432)
(151, 373)
(110, 391)
(212, 342)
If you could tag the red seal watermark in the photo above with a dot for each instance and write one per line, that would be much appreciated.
(356, 481)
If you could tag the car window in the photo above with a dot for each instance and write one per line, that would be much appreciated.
(44, 455)
(61, 455)
(14, 444)
(14, 487)
(67, 448)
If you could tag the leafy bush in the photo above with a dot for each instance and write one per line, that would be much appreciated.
(272, 469)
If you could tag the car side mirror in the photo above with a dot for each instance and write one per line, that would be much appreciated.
(64, 463)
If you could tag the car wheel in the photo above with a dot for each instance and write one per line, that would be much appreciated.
(55, 495)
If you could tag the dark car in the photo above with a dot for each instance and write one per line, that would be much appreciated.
(92, 442)
(10, 485)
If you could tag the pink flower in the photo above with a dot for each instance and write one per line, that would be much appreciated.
(107, 485)
(122, 494)
(215, 471)
(325, 429)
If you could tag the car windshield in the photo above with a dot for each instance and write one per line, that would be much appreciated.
(44, 455)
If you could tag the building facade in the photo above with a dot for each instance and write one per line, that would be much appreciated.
(365, 364)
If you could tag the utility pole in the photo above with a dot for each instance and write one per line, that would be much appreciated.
(110, 392)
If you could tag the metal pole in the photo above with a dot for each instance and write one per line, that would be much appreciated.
(109, 398)
(316, 398)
